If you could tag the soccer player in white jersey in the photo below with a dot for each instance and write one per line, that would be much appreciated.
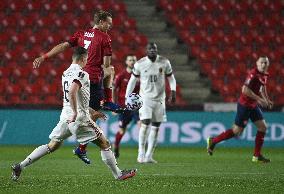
(152, 71)
(75, 120)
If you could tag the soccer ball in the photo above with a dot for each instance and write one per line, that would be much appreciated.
(133, 102)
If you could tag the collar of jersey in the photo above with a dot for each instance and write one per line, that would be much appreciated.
(74, 65)
(155, 60)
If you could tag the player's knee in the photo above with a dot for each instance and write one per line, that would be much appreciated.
(262, 128)
(156, 124)
(105, 144)
(146, 122)
(237, 130)
(53, 145)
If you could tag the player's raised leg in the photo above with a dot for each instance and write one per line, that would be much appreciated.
(109, 159)
(38, 153)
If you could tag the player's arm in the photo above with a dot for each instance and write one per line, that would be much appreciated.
(266, 97)
(54, 51)
(248, 92)
(107, 61)
(115, 88)
(131, 85)
(74, 88)
(173, 86)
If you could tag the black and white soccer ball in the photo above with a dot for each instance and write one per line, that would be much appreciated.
(133, 102)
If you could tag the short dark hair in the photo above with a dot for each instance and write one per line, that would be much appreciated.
(101, 15)
(129, 55)
(79, 53)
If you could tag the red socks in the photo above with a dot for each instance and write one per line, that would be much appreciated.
(223, 136)
(118, 138)
(259, 139)
(82, 147)
(108, 95)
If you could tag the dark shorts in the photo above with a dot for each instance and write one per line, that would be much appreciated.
(96, 95)
(126, 117)
(245, 113)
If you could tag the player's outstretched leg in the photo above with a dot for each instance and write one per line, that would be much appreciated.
(109, 159)
(212, 141)
(81, 153)
(38, 153)
(152, 143)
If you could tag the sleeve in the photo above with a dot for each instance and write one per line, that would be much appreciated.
(107, 50)
(131, 85)
(80, 78)
(117, 81)
(250, 80)
(169, 70)
(136, 71)
(74, 39)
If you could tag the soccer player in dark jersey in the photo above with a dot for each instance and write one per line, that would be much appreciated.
(98, 43)
(119, 89)
(253, 94)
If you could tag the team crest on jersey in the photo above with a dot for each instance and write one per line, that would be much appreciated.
(160, 70)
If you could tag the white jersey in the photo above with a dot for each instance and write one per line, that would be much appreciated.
(75, 72)
(152, 77)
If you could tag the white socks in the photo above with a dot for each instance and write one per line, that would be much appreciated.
(110, 161)
(142, 140)
(35, 155)
(152, 141)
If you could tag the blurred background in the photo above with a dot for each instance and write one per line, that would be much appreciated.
(211, 45)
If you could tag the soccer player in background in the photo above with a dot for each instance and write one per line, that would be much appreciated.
(253, 94)
(119, 90)
(75, 120)
(151, 70)
(98, 43)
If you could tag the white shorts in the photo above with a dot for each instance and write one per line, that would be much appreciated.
(84, 132)
(154, 110)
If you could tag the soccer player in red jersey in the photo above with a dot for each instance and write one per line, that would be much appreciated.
(119, 89)
(254, 93)
(98, 43)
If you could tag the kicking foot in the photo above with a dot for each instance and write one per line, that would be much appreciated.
(260, 158)
(16, 172)
(125, 174)
(210, 146)
(82, 155)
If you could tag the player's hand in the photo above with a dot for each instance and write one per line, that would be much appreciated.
(37, 62)
(172, 97)
(95, 115)
(72, 118)
(270, 104)
(262, 102)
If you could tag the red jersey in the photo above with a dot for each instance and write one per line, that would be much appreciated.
(254, 81)
(120, 83)
(98, 44)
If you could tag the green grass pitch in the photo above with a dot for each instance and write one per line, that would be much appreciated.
(180, 170)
